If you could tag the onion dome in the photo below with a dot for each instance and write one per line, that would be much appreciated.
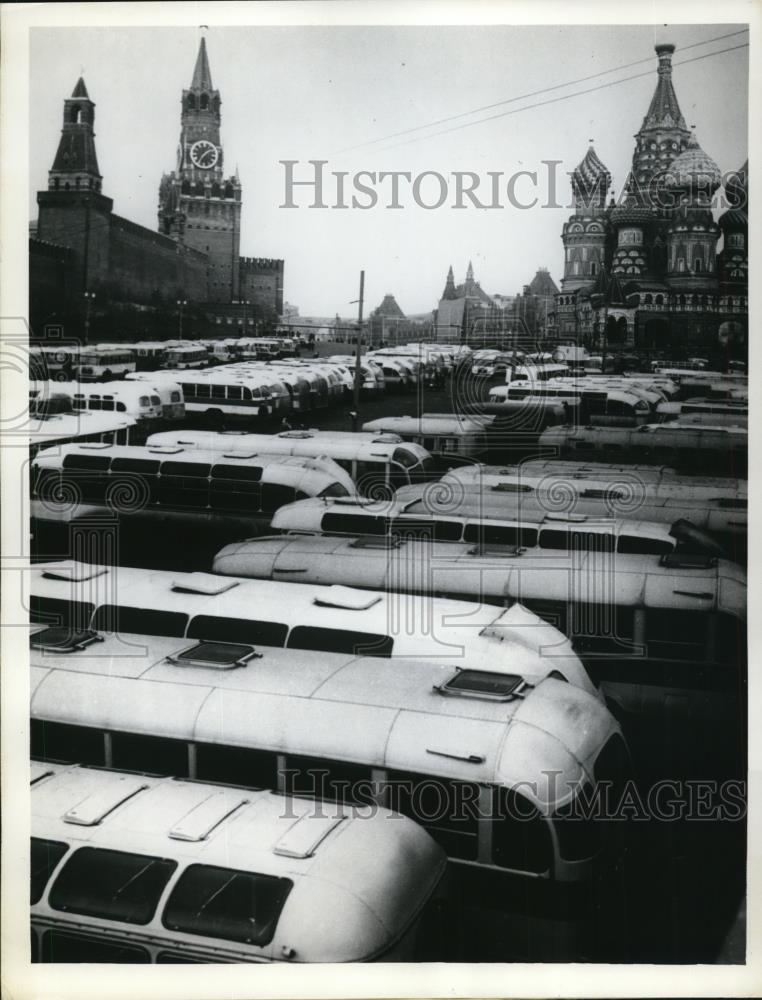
(694, 169)
(692, 216)
(632, 214)
(590, 176)
(733, 220)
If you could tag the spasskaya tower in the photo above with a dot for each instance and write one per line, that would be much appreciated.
(198, 205)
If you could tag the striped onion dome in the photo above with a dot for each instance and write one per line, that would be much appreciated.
(693, 168)
(591, 175)
(631, 214)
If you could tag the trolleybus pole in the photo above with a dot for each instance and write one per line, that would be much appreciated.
(358, 351)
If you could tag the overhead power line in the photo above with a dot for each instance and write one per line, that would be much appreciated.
(543, 90)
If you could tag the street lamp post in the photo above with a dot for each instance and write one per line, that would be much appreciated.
(246, 304)
(89, 296)
(181, 303)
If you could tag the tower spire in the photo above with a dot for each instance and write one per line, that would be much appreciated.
(449, 289)
(202, 77)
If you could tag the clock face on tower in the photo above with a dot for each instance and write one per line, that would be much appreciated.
(204, 154)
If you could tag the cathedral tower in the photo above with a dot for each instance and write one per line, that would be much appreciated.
(198, 205)
(584, 235)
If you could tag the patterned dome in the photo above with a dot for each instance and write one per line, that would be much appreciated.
(631, 214)
(693, 168)
(591, 175)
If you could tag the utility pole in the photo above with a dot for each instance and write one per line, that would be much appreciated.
(358, 352)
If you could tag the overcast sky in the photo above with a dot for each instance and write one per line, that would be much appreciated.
(304, 93)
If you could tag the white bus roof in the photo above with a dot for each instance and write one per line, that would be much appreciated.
(388, 714)
(290, 470)
(364, 908)
(526, 574)
(67, 426)
(429, 423)
(451, 631)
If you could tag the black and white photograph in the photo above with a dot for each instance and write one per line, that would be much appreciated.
(375, 496)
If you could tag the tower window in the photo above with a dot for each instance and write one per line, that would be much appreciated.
(698, 264)
(204, 102)
(681, 263)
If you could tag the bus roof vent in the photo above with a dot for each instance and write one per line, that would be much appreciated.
(206, 816)
(305, 836)
(96, 445)
(203, 583)
(512, 488)
(61, 639)
(74, 572)
(215, 655)
(376, 542)
(687, 560)
(296, 434)
(337, 596)
(387, 437)
(486, 684)
(240, 454)
(95, 807)
(38, 771)
(166, 449)
(573, 518)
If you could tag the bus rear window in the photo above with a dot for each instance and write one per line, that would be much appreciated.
(45, 855)
(330, 640)
(142, 621)
(354, 524)
(404, 457)
(113, 885)
(224, 903)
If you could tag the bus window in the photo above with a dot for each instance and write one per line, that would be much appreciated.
(203, 391)
(275, 495)
(218, 392)
(236, 766)
(246, 630)
(236, 488)
(94, 402)
(121, 408)
(224, 903)
(520, 836)
(149, 754)
(484, 533)
(44, 856)
(329, 640)
(447, 809)
(100, 462)
(234, 392)
(334, 490)
(328, 779)
(113, 885)
(439, 531)
(184, 484)
(66, 946)
(353, 524)
(642, 546)
(143, 621)
(148, 467)
(55, 611)
(60, 741)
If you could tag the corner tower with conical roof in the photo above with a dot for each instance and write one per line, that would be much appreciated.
(198, 205)
(75, 167)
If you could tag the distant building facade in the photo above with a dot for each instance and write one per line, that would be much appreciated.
(645, 273)
(80, 246)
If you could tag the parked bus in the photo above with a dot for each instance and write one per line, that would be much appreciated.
(537, 373)
(139, 401)
(700, 525)
(662, 476)
(104, 364)
(53, 361)
(624, 487)
(182, 357)
(377, 463)
(586, 403)
(663, 636)
(134, 869)
(46, 428)
(490, 763)
(734, 413)
(372, 374)
(170, 393)
(233, 492)
(446, 435)
(723, 450)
